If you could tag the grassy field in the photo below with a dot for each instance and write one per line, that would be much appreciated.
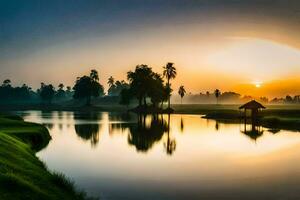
(22, 174)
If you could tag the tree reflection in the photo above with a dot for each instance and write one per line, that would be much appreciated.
(170, 145)
(119, 121)
(87, 116)
(217, 126)
(274, 130)
(120, 116)
(146, 132)
(48, 125)
(88, 131)
(181, 125)
(45, 114)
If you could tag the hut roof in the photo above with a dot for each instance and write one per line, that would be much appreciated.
(252, 105)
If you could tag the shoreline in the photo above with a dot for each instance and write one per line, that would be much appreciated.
(22, 174)
(275, 116)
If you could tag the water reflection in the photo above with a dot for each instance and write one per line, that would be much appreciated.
(146, 132)
(143, 132)
(120, 121)
(253, 130)
(88, 131)
(181, 125)
(170, 145)
(48, 125)
(128, 156)
(274, 130)
(217, 125)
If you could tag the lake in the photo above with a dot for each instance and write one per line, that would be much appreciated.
(121, 156)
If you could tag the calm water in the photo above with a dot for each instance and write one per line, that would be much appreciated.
(117, 156)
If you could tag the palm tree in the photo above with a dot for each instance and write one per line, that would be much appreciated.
(111, 81)
(170, 73)
(217, 94)
(181, 92)
(69, 88)
(61, 86)
(6, 83)
(94, 75)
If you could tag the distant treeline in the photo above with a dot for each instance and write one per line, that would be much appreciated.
(233, 98)
(25, 95)
(145, 87)
(85, 87)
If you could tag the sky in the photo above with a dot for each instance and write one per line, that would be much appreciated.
(247, 46)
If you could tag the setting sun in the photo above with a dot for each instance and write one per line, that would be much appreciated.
(257, 84)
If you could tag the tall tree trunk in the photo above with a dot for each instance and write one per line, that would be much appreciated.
(169, 99)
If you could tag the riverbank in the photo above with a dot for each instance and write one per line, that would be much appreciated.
(22, 174)
(272, 118)
(279, 116)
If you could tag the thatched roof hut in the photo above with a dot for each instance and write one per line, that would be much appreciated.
(252, 105)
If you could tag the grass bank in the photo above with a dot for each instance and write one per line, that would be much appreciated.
(22, 174)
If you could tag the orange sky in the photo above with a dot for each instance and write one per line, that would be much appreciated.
(221, 48)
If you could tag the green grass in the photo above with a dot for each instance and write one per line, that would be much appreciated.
(22, 174)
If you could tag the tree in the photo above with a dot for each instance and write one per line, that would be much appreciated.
(181, 92)
(140, 82)
(47, 92)
(288, 99)
(112, 86)
(217, 94)
(61, 86)
(166, 94)
(125, 97)
(60, 92)
(297, 99)
(10, 94)
(111, 81)
(6, 83)
(94, 75)
(68, 92)
(115, 87)
(87, 87)
(156, 90)
(170, 73)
